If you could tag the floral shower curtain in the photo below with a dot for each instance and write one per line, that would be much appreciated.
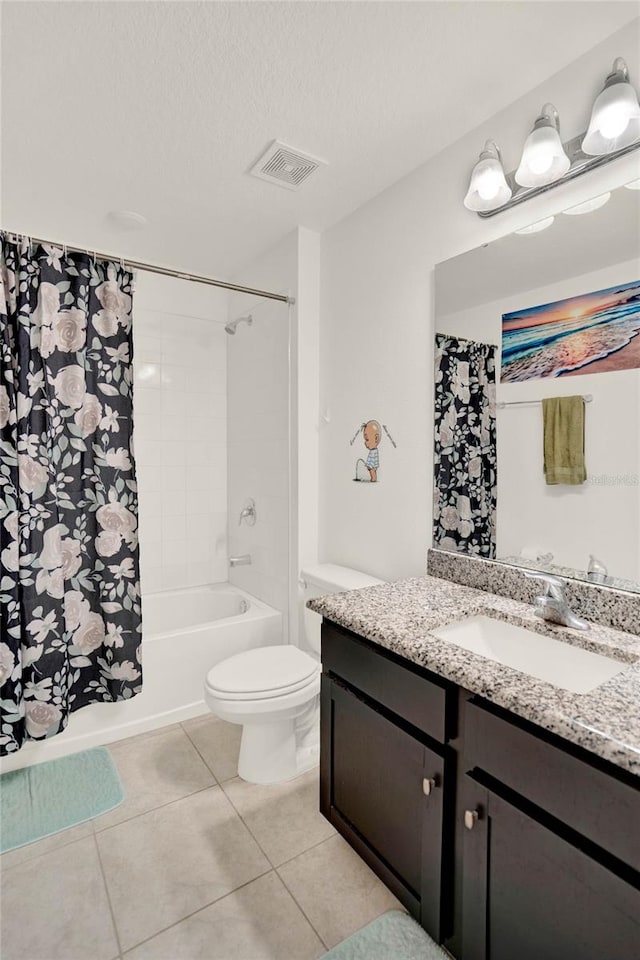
(70, 618)
(465, 474)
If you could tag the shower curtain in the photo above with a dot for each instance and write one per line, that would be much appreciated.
(465, 474)
(70, 617)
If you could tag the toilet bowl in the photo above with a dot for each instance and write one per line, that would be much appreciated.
(273, 692)
(266, 690)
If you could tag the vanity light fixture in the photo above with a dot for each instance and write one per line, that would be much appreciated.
(488, 188)
(535, 227)
(546, 161)
(543, 157)
(615, 117)
(633, 185)
(593, 204)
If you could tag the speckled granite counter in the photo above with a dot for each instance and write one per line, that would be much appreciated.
(399, 616)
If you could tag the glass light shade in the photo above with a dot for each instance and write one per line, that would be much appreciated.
(633, 185)
(535, 227)
(594, 204)
(543, 157)
(615, 116)
(488, 188)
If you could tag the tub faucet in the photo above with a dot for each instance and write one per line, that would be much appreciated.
(242, 561)
(552, 605)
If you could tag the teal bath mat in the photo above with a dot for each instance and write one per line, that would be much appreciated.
(393, 936)
(38, 801)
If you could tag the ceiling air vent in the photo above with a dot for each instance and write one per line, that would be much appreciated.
(285, 166)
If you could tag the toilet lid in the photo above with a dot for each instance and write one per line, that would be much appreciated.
(263, 672)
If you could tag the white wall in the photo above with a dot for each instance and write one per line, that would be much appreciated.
(377, 316)
(571, 522)
(180, 423)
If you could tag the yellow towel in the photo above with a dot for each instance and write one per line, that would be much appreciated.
(564, 440)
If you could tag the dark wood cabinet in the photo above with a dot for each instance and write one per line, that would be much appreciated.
(383, 790)
(530, 892)
(503, 840)
(386, 774)
(599, 803)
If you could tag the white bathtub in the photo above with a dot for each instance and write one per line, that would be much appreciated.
(185, 633)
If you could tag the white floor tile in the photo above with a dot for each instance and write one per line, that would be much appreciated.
(283, 817)
(261, 922)
(55, 907)
(166, 864)
(218, 743)
(155, 768)
(336, 890)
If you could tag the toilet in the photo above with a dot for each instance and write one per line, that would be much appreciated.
(273, 691)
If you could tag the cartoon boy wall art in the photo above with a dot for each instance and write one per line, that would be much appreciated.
(367, 470)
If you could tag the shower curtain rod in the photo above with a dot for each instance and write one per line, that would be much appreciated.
(163, 271)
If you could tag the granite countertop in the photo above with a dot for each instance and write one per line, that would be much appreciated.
(399, 616)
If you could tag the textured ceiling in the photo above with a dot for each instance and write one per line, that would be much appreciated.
(162, 107)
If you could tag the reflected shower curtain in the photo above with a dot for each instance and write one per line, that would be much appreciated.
(465, 474)
(70, 619)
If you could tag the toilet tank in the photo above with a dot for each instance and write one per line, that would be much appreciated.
(326, 578)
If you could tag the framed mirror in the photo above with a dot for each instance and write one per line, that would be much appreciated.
(537, 395)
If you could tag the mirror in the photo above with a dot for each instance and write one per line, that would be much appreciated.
(552, 311)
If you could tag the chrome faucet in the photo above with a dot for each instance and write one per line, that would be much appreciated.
(596, 571)
(242, 561)
(552, 605)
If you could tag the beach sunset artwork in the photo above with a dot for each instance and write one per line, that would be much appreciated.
(592, 333)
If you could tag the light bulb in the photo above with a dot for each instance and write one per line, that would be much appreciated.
(544, 159)
(540, 161)
(488, 184)
(488, 188)
(612, 123)
(615, 115)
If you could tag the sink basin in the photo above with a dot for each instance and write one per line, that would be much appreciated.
(554, 661)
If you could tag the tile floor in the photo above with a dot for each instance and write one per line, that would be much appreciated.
(194, 864)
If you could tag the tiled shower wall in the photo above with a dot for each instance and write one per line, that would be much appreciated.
(180, 424)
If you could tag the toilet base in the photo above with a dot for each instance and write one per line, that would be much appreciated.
(277, 751)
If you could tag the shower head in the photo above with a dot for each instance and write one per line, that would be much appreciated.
(232, 326)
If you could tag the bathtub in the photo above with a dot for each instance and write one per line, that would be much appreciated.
(185, 633)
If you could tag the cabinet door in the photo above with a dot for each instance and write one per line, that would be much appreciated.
(530, 893)
(382, 789)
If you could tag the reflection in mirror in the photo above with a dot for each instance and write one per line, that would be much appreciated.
(537, 396)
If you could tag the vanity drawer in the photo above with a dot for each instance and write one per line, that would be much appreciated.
(590, 796)
(414, 695)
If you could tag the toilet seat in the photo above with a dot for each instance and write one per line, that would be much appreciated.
(262, 674)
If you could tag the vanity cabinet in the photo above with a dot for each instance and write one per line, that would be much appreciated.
(383, 775)
(551, 847)
(531, 892)
(503, 840)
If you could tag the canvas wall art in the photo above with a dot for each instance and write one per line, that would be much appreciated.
(591, 333)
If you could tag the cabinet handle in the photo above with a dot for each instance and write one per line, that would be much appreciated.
(429, 784)
(471, 817)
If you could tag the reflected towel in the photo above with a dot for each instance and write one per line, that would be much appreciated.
(564, 440)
